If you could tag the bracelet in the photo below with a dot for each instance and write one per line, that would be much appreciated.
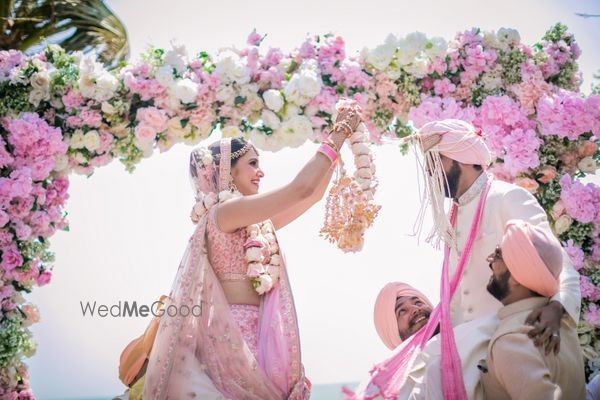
(346, 127)
(328, 152)
(331, 144)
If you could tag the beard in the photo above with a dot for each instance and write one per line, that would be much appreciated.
(413, 326)
(452, 177)
(498, 287)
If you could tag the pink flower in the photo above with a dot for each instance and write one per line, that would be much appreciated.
(11, 257)
(44, 278)
(8, 60)
(592, 315)
(588, 289)
(145, 133)
(72, 99)
(581, 202)
(153, 117)
(587, 149)
(436, 108)
(528, 184)
(254, 38)
(575, 254)
(443, 87)
(547, 174)
(91, 118)
(4, 218)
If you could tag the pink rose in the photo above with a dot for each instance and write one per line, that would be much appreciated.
(44, 278)
(528, 184)
(548, 173)
(145, 133)
(558, 209)
(11, 258)
(153, 117)
(587, 149)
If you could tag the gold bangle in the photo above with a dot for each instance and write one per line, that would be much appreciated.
(332, 145)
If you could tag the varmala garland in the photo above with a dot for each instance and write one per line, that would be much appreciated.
(261, 248)
(350, 208)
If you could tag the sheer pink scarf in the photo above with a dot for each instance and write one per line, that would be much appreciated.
(388, 377)
(212, 342)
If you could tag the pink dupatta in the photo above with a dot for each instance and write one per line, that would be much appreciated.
(388, 377)
(212, 342)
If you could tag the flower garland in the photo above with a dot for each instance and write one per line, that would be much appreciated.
(350, 209)
(261, 247)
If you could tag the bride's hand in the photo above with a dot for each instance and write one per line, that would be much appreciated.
(350, 116)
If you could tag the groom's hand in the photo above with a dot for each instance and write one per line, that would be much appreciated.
(546, 326)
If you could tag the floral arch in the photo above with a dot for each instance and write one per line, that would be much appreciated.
(63, 113)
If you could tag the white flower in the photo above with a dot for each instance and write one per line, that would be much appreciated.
(254, 254)
(225, 94)
(258, 139)
(226, 195)
(587, 165)
(186, 90)
(381, 56)
(108, 108)
(492, 79)
(80, 158)
(363, 161)
(436, 47)
(273, 99)
(562, 224)
(360, 149)
(92, 140)
(36, 96)
(16, 76)
(291, 110)
(364, 173)
(164, 75)
(273, 271)
(264, 283)
(210, 199)
(418, 68)
(255, 269)
(175, 130)
(230, 67)
(296, 130)
(410, 46)
(175, 60)
(77, 140)
(231, 131)
(509, 36)
(303, 86)
(197, 212)
(106, 86)
(40, 80)
(270, 119)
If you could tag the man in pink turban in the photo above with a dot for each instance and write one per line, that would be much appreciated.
(525, 269)
(400, 311)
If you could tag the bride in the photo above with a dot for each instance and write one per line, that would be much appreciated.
(245, 342)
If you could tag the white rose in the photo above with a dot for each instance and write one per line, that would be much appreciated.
(108, 108)
(418, 68)
(225, 94)
(230, 68)
(164, 75)
(175, 130)
(291, 110)
(562, 224)
(146, 146)
(231, 131)
(77, 140)
(92, 140)
(80, 158)
(508, 35)
(381, 56)
(587, 165)
(255, 269)
(270, 119)
(40, 80)
(273, 99)
(298, 129)
(36, 96)
(56, 102)
(106, 85)
(258, 139)
(490, 39)
(492, 79)
(186, 90)
(309, 83)
(175, 60)
(436, 47)
(254, 254)
(265, 283)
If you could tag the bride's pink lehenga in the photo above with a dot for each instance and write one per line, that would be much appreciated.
(229, 351)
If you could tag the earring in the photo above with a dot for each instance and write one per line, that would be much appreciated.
(232, 187)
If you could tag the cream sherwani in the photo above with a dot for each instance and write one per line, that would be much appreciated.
(516, 369)
(472, 303)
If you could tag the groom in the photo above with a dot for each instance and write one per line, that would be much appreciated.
(456, 158)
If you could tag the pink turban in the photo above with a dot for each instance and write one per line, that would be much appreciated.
(460, 141)
(533, 257)
(386, 322)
